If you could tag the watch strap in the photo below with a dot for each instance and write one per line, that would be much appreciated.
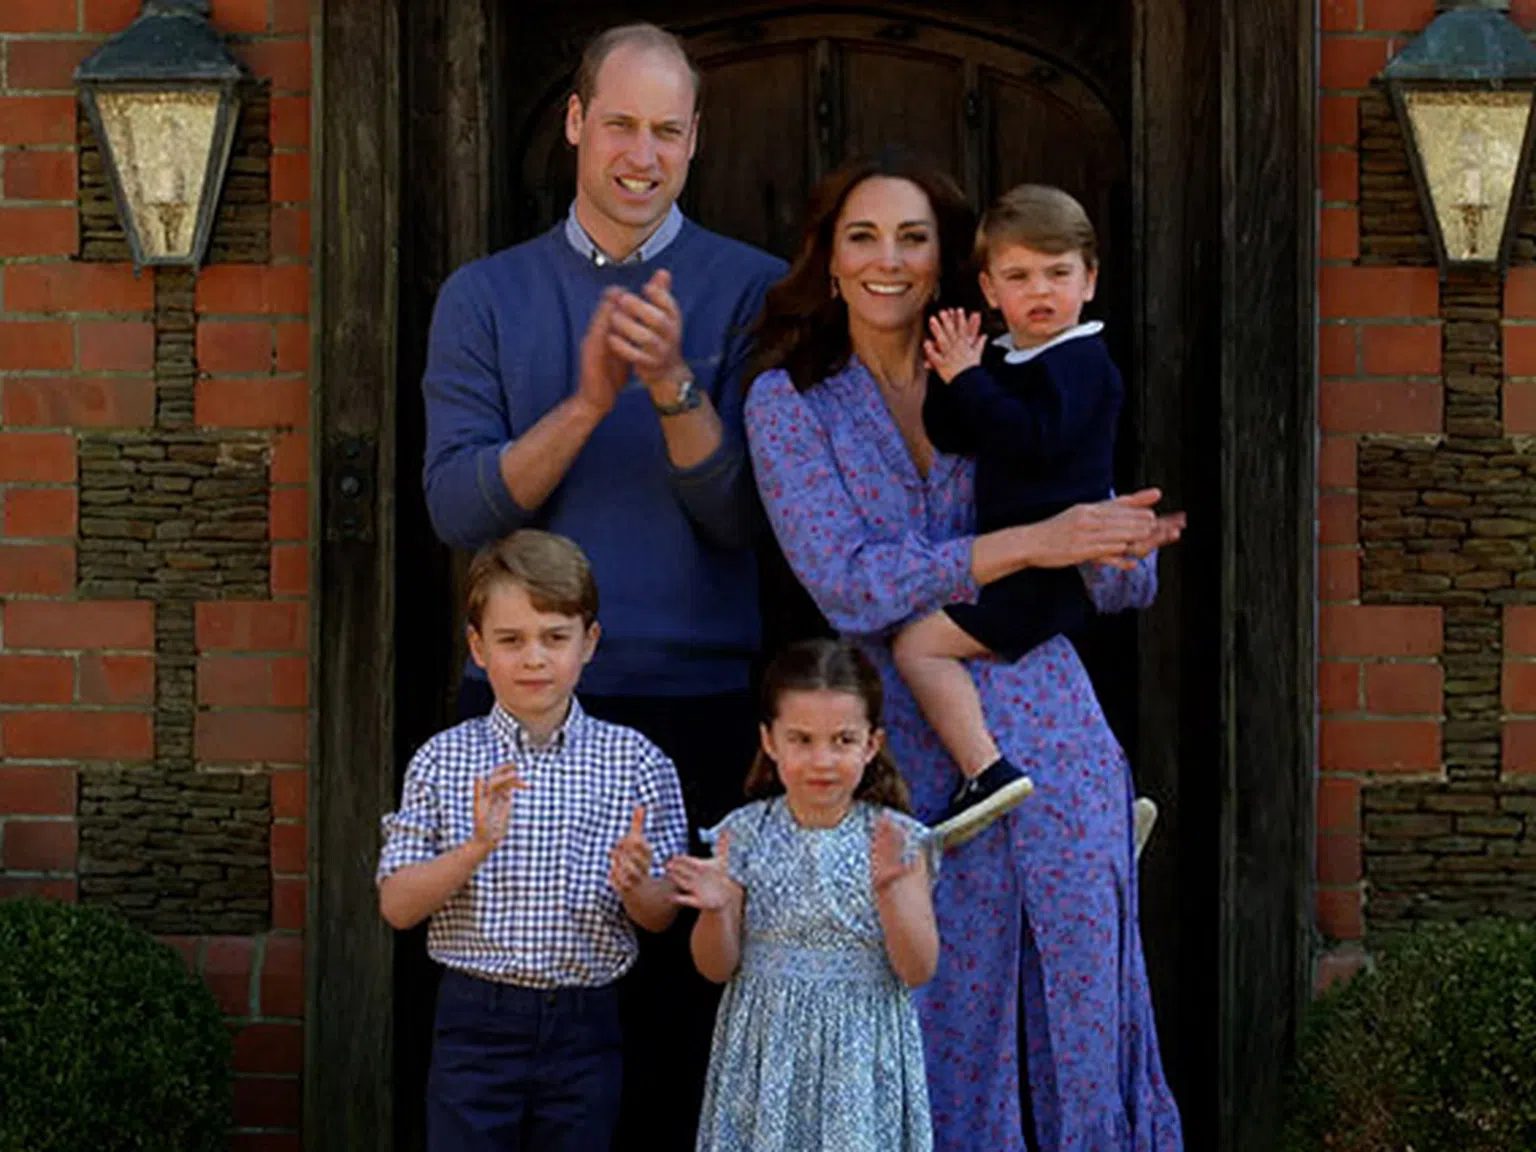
(689, 397)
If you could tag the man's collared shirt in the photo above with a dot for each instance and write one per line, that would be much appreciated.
(539, 911)
(652, 246)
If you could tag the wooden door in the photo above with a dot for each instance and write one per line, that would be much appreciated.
(1116, 102)
(436, 146)
(787, 98)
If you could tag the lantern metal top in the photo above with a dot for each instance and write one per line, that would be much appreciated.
(170, 41)
(1474, 42)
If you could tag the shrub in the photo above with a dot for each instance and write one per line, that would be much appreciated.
(107, 1042)
(1433, 1049)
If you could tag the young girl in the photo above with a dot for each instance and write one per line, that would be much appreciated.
(815, 908)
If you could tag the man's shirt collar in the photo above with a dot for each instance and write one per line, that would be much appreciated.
(650, 248)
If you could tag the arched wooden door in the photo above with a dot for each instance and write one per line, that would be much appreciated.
(1184, 125)
(786, 98)
(788, 94)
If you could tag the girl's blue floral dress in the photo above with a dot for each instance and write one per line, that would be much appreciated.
(817, 1045)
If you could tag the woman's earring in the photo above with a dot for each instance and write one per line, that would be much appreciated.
(934, 299)
(834, 286)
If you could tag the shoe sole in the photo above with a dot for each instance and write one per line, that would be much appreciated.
(965, 825)
(1144, 814)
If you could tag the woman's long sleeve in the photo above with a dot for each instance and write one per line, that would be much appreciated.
(1119, 589)
(865, 575)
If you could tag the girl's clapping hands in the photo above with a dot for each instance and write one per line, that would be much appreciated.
(705, 884)
(886, 849)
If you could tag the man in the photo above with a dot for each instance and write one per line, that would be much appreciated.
(588, 382)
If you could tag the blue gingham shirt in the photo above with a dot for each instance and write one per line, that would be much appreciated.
(539, 911)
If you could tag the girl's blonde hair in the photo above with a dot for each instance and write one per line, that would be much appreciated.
(822, 665)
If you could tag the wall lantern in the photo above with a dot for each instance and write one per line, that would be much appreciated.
(1462, 92)
(163, 100)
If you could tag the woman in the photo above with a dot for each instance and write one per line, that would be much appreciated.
(1037, 917)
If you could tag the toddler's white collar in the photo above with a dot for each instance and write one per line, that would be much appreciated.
(1025, 355)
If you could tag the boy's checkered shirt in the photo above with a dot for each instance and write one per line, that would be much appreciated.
(539, 911)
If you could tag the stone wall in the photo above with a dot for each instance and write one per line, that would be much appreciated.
(1450, 851)
(154, 558)
(176, 517)
(1426, 521)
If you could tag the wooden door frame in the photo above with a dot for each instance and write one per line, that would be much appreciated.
(1223, 187)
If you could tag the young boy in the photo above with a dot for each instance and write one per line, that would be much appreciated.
(527, 836)
(1038, 410)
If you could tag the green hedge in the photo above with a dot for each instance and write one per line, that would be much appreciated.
(1434, 1049)
(107, 1042)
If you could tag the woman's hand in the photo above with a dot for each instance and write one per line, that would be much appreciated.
(1115, 531)
(705, 884)
(1166, 529)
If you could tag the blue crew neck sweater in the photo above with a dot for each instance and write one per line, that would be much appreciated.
(671, 549)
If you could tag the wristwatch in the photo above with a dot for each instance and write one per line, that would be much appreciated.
(689, 397)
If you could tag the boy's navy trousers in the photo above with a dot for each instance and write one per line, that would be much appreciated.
(523, 1069)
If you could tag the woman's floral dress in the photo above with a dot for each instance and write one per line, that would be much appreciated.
(1038, 915)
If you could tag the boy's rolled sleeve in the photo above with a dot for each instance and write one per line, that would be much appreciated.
(666, 821)
(413, 834)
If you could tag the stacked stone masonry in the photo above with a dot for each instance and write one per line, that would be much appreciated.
(154, 488)
(178, 515)
(1448, 520)
(178, 518)
(1450, 851)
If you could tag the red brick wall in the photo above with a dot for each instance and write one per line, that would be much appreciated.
(1380, 683)
(77, 676)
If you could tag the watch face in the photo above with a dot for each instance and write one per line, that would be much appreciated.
(688, 397)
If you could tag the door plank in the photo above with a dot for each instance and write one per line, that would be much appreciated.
(1268, 481)
(349, 987)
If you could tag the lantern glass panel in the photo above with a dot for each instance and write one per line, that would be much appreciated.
(160, 144)
(1469, 145)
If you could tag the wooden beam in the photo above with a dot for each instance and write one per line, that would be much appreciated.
(1176, 196)
(1268, 481)
(349, 968)
(448, 149)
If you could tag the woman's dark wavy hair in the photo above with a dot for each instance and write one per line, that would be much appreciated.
(823, 665)
(804, 328)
